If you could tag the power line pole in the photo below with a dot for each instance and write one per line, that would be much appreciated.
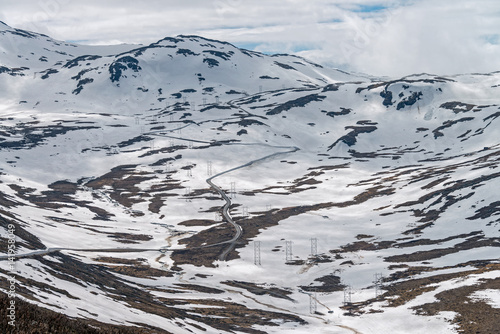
(204, 101)
(314, 246)
(188, 192)
(288, 251)
(244, 211)
(216, 100)
(347, 296)
(189, 169)
(313, 303)
(233, 190)
(209, 168)
(256, 253)
(378, 283)
(268, 207)
(171, 117)
(137, 120)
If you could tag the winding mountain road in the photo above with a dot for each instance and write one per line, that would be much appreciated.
(225, 212)
(225, 209)
(231, 243)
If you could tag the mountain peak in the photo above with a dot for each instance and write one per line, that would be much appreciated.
(197, 38)
(215, 67)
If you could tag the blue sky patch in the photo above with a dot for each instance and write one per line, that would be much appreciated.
(247, 46)
(369, 8)
(492, 39)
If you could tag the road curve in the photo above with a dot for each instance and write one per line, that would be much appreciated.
(225, 209)
(225, 213)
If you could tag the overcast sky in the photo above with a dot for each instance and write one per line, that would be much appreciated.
(392, 38)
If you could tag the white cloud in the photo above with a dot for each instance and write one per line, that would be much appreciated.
(444, 37)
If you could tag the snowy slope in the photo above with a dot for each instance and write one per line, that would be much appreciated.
(147, 75)
(105, 153)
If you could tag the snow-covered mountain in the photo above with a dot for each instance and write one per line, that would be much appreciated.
(189, 67)
(191, 186)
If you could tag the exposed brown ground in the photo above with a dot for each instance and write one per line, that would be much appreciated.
(474, 316)
(329, 283)
(33, 319)
(226, 316)
(259, 289)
